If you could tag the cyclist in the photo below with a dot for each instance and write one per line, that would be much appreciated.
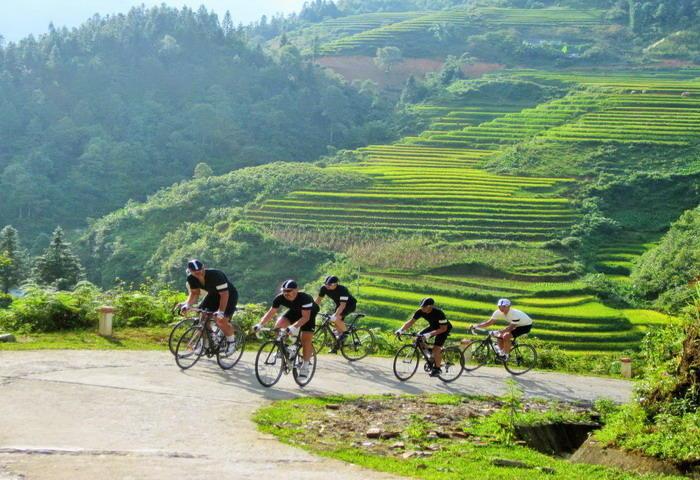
(439, 327)
(519, 323)
(221, 298)
(300, 317)
(345, 303)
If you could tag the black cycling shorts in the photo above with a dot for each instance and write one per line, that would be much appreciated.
(211, 303)
(293, 316)
(348, 310)
(439, 339)
(521, 331)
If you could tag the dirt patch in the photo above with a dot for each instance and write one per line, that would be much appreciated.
(402, 426)
(357, 67)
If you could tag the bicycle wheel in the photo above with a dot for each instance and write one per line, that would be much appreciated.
(522, 359)
(177, 331)
(303, 381)
(406, 362)
(321, 339)
(269, 363)
(190, 348)
(452, 364)
(476, 354)
(229, 360)
(358, 344)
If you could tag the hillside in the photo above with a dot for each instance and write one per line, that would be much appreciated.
(141, 98)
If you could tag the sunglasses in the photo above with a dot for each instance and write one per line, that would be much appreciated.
(287, 291)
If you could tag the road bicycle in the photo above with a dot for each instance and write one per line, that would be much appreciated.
(408, 357)
(278, 355)
(204, 337)
(522, 357)
(357, 343)
(182, 325)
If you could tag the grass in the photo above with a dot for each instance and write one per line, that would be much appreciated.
(299, 422)
(146, 338)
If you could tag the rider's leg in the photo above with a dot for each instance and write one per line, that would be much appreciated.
(501, 342)
(340, 324)
(282, 322)
(225, 325)
(507, 342)
(307, 345)
(437, 356)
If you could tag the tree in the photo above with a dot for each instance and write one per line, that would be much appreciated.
(12, 270)
(202, 170)
(58, 266)
(387, 57)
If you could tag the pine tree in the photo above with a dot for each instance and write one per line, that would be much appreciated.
(58, 266)
(12, 271)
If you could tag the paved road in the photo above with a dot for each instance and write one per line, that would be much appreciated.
(134, 415)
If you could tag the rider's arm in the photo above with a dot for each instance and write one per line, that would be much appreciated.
(192, 297)
(268, 315)
(223, 300)
(408, 324)
(485, 324)
(305, 315)
(442, 329)
(341, 308)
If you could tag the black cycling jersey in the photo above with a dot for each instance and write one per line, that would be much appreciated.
(302, 302)
(338, 295)
(215, 281)
(436, 318)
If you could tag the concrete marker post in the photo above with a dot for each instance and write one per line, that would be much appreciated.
(626, 367)
(105, 314)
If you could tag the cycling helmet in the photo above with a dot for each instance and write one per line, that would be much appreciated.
(427, 301)
(289, 284)
(504, 302)
(330, 279)
(194, 265)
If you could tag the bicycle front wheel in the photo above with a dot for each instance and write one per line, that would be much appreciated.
(522, 359)
(358, 344)
(406, 362)
(190, 348)
(452, 364)
(303, 380)
(269, 363)
(227, 358)
(321, 339)
(476, 354)
(177, 331)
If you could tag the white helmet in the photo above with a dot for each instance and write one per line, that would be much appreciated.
(503, 302)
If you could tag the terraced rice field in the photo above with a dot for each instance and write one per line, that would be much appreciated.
(447, 118)
(435, 184)
(412, 34)
(436, 190)
(564, 313)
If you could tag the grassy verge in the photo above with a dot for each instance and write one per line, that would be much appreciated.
(476, 445)
(146, 338)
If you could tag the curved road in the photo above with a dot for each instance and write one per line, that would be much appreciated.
(134, 415)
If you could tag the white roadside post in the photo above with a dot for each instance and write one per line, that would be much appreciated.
(106, 314)
(626, 367)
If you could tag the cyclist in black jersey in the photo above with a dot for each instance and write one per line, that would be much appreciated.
(300, 318)
(345, 304)
(439, 327)
(221, 298)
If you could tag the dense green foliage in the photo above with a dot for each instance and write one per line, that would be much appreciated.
(126, 104)
(664, 421)
(669, 271)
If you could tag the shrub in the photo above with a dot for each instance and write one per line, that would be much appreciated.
(149, 305)
(5, 300)
(45, 310)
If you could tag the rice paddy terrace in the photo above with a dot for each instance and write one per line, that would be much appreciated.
(414, 32)
(435, 183)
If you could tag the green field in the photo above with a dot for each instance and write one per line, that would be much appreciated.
(436, 185)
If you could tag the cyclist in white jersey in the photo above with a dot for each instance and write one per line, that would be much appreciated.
(519, 323)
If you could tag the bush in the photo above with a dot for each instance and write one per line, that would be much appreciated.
(150, 305)
(43, 310)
